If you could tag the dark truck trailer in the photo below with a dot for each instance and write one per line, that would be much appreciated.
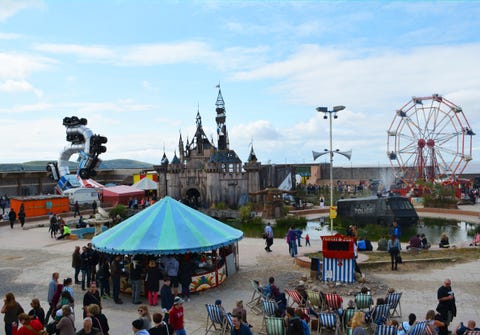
(380, 210)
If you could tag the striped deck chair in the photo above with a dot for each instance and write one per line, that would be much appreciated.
(315, 300)
(472, 332)
(295, 297)
(228, 323)
(386, 330)
(255, 303)
(275, 326)
(363, 301)
(380, 315)
(269, 309)
(333, 301)
(327, 320)
(347, 316)
(418, 328)
(393, 299)
(215, 319)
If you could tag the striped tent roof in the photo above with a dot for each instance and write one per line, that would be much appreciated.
(166, 227)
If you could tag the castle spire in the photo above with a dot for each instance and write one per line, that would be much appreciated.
(223, 142)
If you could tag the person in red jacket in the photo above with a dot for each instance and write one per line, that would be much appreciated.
(175, 317)
(30, 326)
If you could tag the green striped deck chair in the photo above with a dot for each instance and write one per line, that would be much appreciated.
(315, 300)
(363, 302)
(275, 326)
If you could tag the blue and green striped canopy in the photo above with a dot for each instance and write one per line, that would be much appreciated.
(166, 227)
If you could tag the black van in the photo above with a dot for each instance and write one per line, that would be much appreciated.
(380, 210)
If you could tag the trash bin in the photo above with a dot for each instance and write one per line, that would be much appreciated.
(314, 267)
(315, 264)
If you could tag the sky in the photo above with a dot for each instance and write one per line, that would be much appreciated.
(139, 71)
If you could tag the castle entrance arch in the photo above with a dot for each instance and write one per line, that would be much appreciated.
(192, 198)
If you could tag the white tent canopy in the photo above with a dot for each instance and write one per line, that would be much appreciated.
(146, 184)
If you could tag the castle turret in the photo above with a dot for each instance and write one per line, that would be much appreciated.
(223, 142)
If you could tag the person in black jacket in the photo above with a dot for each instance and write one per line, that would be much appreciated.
(152, 282)
(294, 324)
(12, 216)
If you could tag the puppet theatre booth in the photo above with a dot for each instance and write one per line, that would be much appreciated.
(338, 258)
(169, 228)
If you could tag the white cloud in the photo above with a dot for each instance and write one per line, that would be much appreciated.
(19, 86)
(9, 36)
(81, 51)
(9, 8)
(20, 66)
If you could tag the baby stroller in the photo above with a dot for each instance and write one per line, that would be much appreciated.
(476, 240)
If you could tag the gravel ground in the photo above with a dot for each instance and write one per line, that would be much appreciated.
(28, 257)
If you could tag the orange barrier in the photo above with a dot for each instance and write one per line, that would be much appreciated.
(41, 205)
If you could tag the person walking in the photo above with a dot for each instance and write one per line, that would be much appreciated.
(268, 233)
(12, 309)
(52, 288)
(176, 317)
(76, 209)
(307, 240)
(136, 271)
(21, 215)
(152, 282)
(394, 247)
(446, 302)
(292, 241)
(116, 272)
(76, 263)
(12, 216)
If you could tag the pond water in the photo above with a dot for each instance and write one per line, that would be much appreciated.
(457, 232)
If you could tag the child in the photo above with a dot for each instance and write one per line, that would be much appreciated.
(166, 295)
(307, 240)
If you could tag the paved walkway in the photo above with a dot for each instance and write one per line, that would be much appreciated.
(28, 257)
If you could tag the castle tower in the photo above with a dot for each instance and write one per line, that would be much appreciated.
(223, 143)
(252, 166)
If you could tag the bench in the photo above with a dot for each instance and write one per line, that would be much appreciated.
(82, 231)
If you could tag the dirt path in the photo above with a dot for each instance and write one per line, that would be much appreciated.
(28, 257)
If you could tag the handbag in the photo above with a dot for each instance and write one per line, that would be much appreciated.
(398, 259)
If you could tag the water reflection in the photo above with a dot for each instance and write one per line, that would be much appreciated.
(457, 232)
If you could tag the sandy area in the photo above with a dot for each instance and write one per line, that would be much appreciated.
(28, 257)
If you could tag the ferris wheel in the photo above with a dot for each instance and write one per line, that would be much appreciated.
(429, 138)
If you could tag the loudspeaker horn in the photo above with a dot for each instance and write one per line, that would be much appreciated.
(317, 154)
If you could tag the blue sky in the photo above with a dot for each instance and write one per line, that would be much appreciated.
(140, 70)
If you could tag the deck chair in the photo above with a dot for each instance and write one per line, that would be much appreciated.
(333, 301)
(275, 326)
(393, 299)
(472, 332)
(255, 303)
(386, 330)
(347, 316)
(315, 300)
(380, 316)
(228, 325)
(215, 319)
(327, 320)
(269, 309)
(363, 301)
(295, 297)
(418, 328)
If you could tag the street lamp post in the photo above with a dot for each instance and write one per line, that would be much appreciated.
(328, 114)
